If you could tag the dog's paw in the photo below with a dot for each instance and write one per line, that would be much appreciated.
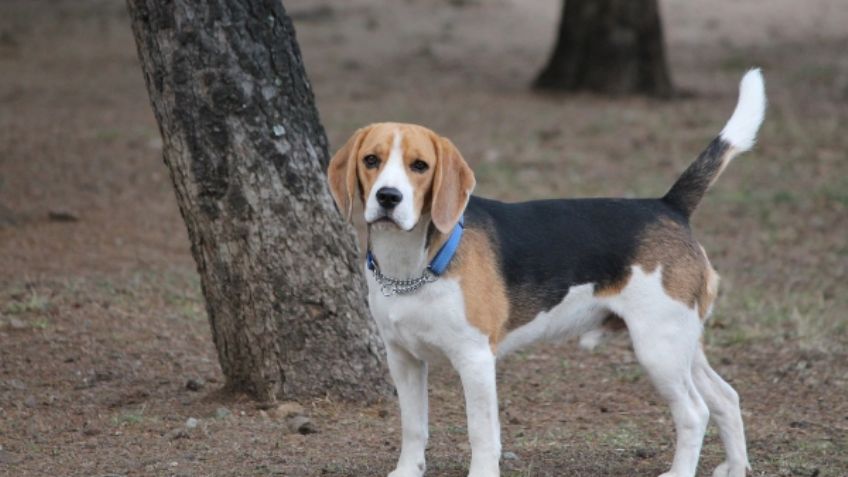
(492, 470)
(494, 473)
(725, 469)
(408, 471)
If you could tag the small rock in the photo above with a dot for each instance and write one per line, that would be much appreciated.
(222, 412)
(16, 384)
(90, 431)
(301, 425)
(30, 401)
(195, 384)
(178, 433)
(60, 215)
(287, 409)
(644, 453)
(191, 423)
(509, 456)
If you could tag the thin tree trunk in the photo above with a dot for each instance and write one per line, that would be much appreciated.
(247, 155)
(611, 47)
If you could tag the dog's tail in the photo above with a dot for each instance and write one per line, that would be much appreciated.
(738, 135)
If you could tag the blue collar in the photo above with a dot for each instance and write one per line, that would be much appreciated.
(442, 258)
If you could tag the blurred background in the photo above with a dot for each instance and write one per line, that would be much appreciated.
(104, 344)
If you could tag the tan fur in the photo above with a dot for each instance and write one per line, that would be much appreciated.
(342, 172)
(613, 289)
(452, 185)
(686, 273)
(483, 288)
(709, 290)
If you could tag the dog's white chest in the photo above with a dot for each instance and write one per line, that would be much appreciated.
(429, 323)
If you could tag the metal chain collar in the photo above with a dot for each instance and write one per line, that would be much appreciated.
(392, 286)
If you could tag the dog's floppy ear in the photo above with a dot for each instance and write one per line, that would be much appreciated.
(453, 182)
(341, 173)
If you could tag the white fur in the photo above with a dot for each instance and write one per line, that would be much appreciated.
(741, 129)
(393, 175)
(400, 254)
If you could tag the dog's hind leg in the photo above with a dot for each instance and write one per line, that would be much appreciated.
(665, 335)
(723, 403)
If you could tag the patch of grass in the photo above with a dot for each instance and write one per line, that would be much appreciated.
(129, 417)
(32, 303)
(41, 323)
(805, 316)
(629, 373)
(626, 436)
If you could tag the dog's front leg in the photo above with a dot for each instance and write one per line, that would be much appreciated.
(476, 369)
(410, 377)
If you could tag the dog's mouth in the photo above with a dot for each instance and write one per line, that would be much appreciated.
(384, 220)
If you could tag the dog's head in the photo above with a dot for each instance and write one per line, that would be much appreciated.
(401, 173)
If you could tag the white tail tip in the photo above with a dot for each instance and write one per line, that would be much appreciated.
(741, 130)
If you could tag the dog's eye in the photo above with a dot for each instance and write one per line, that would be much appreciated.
(371, 161)
(419, 166)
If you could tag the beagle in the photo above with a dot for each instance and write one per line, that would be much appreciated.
(455, 276)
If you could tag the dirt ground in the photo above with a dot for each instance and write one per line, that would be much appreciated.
(101, 318)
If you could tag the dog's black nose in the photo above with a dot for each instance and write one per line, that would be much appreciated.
(389, 197)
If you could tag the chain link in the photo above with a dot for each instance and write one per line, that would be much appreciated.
(391, 286)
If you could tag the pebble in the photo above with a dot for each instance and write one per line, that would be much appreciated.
(222, 412)
(195, 384)
(60, 215)
(301, 425)
(90, 431)
(178, 433)
(191, 423)
(509, 456)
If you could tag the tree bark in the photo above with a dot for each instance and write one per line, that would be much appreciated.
(279, 267)
(611, 47)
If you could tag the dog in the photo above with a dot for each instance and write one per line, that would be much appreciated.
(469, 279)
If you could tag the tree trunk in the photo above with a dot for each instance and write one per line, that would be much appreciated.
(247, 156)
(611, 47)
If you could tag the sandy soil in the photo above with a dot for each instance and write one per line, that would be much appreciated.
(101, 318)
